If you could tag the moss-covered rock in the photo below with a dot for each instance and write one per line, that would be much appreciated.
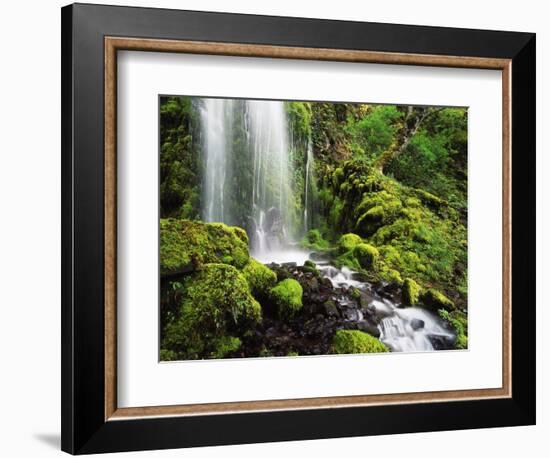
(260, 278)
(459, 322)
(391, 275)
(348, 242)
(375, 210)
(314, 240)
(366, 255)
(436, 300)
(215, 302)
(287, 296)
(186, 245)
(310, 266)
(353, 341)
(410, 292)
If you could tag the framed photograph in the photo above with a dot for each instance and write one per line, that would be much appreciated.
(280, 228)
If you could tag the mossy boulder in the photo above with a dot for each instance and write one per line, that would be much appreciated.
(260, 278)
(410, 292)
(459, 322)
(376, 210)
(187, 245)
(215, 303)
(310, 266)
(353, 341)
(366, 255)
(435, 300)
(348, 242)
(391, 276)
(287, 296)
(314, 240)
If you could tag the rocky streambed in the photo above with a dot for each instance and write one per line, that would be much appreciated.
(339, 298)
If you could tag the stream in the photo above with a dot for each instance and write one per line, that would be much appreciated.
(402, 329)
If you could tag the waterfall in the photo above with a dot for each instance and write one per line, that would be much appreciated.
(309, 160)
(268, 134)
(247, 170)
(216, 120)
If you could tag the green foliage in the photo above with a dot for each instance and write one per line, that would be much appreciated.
(287, 296)
(179, 168)
(260, 278)
(367, 256)
(436, 300)
(348, 242)
(310, 266)
(411, 292)
(226, 345)
(314, 240)
(436, 158)
(376, 210)
(352, 341)
(214, 303)
(299, 114)
(459, 322)
(187, 245)
(390, 275)
(376, 131)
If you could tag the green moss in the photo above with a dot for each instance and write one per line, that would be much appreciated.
(226, 345)
(287, 296)
(186, 245)
(459, 322)
(410, 292)
(314, 240)
(366, 255)
(168, 355)
(352, 341)
(337, 176)
(391, 275)
(348, 242)
(347, 259)
(430, 199)
(436, 300)
(260, 278)
(391, 256)
(214, 303)
(310, 266)
(375, 210)
(292, 353)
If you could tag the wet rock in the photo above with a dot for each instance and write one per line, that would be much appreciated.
(351, 314)
(417, 324)
(364, 300)
(330, 308)
(319, 256)
(370, 328)
(311, 284)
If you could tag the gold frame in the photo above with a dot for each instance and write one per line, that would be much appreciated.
(114, 44)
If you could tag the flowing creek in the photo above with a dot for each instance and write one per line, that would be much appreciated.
(402, 329)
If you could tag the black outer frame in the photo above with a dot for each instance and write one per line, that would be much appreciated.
(84, 429)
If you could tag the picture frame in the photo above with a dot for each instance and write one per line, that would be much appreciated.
(92, 35)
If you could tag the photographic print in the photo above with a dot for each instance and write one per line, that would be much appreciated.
(292, 228)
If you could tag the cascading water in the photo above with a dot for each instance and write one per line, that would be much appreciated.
(410, 329)
(309, 161)
(246, 147)
(216, 121)
(268, 133)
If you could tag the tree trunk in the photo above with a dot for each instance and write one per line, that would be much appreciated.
(413, 120)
